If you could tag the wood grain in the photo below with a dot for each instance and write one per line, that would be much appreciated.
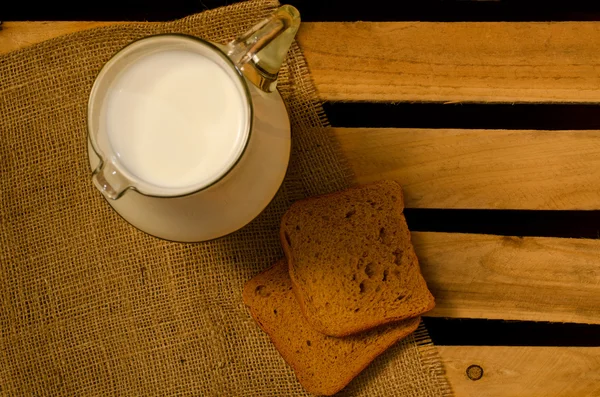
(511, 278)
(499, 169)
(454, 62)
(514, 371)
(426, 61)
(15, 35)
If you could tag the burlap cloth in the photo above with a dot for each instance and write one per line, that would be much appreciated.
(92, 306)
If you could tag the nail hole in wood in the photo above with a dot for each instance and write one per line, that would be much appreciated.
(474, 372)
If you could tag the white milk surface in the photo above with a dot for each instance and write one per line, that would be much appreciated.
(176, 119)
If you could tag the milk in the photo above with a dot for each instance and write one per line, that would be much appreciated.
(176, 119)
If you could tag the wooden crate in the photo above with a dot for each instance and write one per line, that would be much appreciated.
(539, 277)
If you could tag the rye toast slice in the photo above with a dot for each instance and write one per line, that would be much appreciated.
(351, 260)
(323, 364)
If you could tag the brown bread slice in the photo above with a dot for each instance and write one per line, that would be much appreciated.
(323, 364)
(351, 260)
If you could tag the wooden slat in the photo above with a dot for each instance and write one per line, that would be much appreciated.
(463, 62)
(511, 278)
(422, 61)
(514, 371)
(498, 169)
(15, 35)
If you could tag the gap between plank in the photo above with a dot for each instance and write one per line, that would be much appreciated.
(569, 224)
(485, 332)
(331, 10)
(523, 116)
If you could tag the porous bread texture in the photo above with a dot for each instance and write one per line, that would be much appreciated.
(351, 260)
(323, 364)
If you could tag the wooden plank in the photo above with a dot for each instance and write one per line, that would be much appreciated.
(515, 371)
(15, 35)
(511, 278)
(499, 169)
(454, 62)
(423, 61)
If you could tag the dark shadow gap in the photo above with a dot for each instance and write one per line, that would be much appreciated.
(483, 332)
(465, 116)
(569, 224)
(311, 10)
(448, 10)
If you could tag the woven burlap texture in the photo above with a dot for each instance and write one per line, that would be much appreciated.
(92, 306)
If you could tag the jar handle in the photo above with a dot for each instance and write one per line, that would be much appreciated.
(111, 183)
(259, 52)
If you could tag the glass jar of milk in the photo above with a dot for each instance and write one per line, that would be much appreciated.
(189, 140)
